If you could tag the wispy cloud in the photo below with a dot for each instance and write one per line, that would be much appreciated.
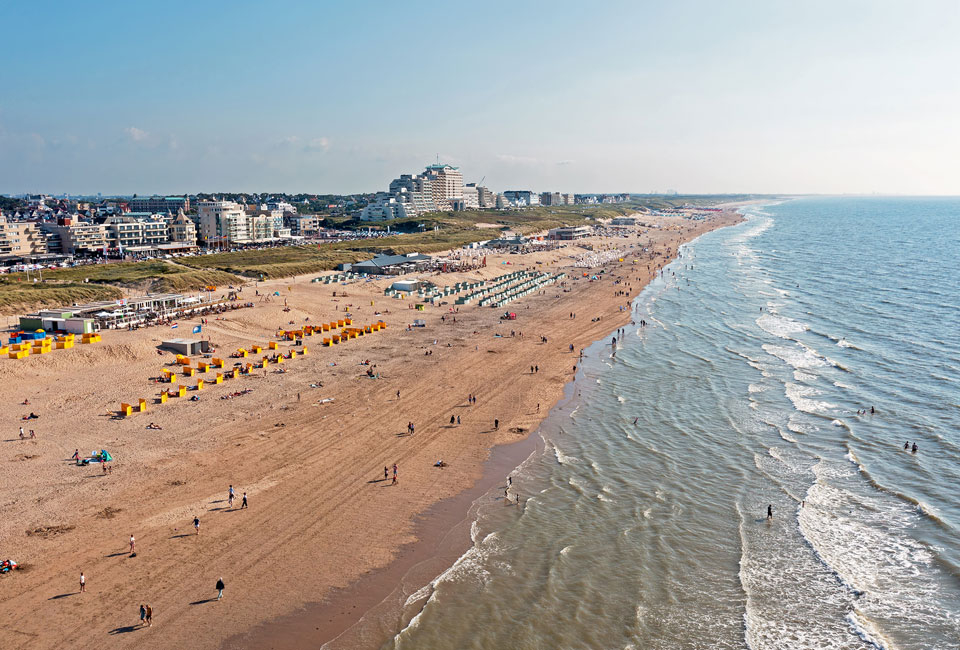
(564, 162)
(317, 144)
(511, 159)
(135, 134)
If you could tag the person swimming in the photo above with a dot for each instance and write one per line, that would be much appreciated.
(914, 449)
(906, 445)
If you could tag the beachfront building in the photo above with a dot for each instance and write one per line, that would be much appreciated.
(21, 238)
(392, 264)
(76, 238)
(551, 198)
(446, 184)
(222, 223)
(302, 225)
(129, 231)
(522, 198)
(182, 230)
(486, 198)
(385, 208)
(161, 204)
(415, 191)
(569, 233)
(623, 221)
(471, 196)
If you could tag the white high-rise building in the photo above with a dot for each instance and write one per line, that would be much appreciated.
(446, 183)
(222, 223)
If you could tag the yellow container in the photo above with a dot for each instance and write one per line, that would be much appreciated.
(199, 384)
(272, 345)
(163, 397)
(143, 406)
(219, 378)
(181, 391)
(126, 409)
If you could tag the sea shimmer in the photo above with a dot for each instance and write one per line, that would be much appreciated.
(643, 521)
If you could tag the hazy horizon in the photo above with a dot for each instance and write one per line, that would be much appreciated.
(820, 98)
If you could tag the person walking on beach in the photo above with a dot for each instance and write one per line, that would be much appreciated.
(398, 396)
(196, 524)
(83, 583)
(395, 470)
(452, 420)
(394, 481)
(149, 616)
(220, 588)
(386, 473)
(496, 423)
(76, 455)
(243, 504)
(143, 614)
(230, 496)
(770, 511)
(133, 545)
(458, 420)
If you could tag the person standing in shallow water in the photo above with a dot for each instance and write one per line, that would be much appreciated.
(770, 511)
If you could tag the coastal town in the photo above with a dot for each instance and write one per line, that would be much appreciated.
(41, 229)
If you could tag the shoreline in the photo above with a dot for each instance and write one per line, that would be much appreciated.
(323, 539)
(340, 621)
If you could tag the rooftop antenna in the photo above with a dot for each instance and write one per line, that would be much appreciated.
(438, 159)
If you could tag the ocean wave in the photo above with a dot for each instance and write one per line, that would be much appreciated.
(780, 326)
(796, 356)
(802, 398)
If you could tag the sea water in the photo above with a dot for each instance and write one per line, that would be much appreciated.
(643, 522)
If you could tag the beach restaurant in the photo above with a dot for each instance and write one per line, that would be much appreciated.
(113, 314)
(392, 264)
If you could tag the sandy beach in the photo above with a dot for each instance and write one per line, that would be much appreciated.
(326, 536)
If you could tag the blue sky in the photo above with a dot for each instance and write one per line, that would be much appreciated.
(764, 96)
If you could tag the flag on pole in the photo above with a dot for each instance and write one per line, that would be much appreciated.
(196, 329)
(174, 326)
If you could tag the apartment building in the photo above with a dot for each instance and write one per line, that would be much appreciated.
(471, 196)
(182, 230)
(222, 223)
(159, 204)
(551, 198)
(384, 209)
(446, 184)
(135, 231)
(76, 237)
(21, 238)
(302, 225)
(522, 198)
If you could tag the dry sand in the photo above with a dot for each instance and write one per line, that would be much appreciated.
(320, 517)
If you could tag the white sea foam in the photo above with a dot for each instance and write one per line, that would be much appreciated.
(756, 388)
(802, 398)
(780, 326)
(798, 356)
(786, 436)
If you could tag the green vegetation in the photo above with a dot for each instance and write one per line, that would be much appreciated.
(429, 233)
(16, 295)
